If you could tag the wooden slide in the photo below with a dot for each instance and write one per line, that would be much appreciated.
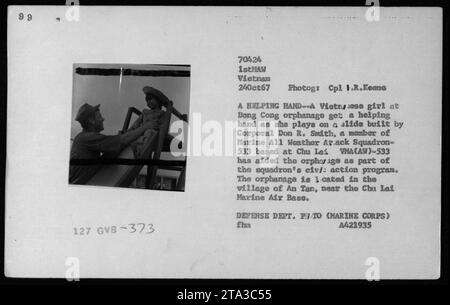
(121, 175)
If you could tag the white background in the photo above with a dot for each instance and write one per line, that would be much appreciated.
(195, 230)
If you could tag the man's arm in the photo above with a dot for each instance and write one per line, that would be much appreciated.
(132, 135)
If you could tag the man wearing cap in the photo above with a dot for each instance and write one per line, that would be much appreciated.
(90, 144)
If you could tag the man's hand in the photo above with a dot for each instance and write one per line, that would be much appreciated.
(132, 135)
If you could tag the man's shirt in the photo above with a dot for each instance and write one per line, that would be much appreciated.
(91, 145)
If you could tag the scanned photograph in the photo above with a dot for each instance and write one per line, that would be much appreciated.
(279, 142)
(121, 118)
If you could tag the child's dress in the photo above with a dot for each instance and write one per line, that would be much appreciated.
(152, 116)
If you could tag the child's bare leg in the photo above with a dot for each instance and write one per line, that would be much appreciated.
(136, 146)
(148, 135)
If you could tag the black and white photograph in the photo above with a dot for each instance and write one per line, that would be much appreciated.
(120, 133)
(252, 143)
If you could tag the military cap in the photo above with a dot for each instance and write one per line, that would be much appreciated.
(85, 112)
